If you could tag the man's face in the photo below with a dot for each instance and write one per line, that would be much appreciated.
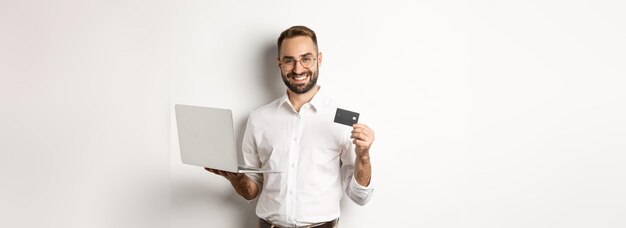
(294, 59)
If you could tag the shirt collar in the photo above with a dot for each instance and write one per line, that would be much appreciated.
(317, 102)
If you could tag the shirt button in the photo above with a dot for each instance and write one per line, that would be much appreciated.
(293, 165)
(289, 192)
(295, 139)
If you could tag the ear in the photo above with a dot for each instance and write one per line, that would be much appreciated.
(278, 62)
(319, 59)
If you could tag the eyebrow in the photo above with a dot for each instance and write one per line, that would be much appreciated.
(303, 55)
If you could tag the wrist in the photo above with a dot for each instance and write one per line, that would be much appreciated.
(363, 157)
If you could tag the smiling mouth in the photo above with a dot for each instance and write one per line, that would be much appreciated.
(300, 78)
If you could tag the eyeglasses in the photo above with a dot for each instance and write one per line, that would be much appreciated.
(290, 63)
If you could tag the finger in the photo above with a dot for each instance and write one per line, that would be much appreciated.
(369, 133)
(366, 129)
(360, 125)
(228, 175)
(357, 128)
(362, 143)
(222, 173)
(359, 143)
(216, 172)
(360, 135)
(210, 170)
(362, 128)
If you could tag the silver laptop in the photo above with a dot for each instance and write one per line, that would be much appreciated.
(206, 137)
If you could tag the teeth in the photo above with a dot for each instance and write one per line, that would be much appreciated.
(300, 78)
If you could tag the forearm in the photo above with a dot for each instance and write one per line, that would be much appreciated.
(245, 187)
(363, 170)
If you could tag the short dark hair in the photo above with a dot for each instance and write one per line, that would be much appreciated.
(298, 30)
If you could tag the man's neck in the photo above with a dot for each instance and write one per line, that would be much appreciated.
(297, 100)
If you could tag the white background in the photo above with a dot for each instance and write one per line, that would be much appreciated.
(487, 113)
(84, 122)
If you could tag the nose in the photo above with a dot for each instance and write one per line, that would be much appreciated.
(298, 68)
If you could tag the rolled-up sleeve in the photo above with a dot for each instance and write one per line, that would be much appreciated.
(357, 193)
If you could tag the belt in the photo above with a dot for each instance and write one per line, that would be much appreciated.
(329, 224)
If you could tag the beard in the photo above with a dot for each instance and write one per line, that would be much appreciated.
(300, 88)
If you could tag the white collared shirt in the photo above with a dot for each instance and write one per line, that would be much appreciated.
(315, 154)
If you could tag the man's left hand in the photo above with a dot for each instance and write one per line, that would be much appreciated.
(363, 137)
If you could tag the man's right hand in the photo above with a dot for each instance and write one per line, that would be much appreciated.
(232, 177)
(243, 185)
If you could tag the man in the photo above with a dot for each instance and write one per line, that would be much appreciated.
(296, 134)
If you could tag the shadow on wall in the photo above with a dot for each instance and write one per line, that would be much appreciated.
(272, 87)
(271, 83)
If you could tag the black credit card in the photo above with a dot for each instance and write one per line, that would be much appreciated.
(346, 117)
